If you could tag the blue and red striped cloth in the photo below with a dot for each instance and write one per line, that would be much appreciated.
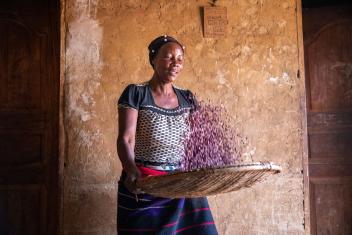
(146, 214)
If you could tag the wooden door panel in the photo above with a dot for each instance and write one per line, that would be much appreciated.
(23, 207)
(325, 120)
(330, 79)
(332, 203)
(330, 170)
(328, 66)
(331, 145)
(20, 78)
(24, 149)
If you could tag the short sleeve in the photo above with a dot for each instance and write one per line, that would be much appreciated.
(192, 100)
(129, 97)
(188, 100)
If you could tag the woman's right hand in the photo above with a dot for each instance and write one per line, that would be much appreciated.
(133, 174)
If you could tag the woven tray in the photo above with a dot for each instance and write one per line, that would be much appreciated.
(205, 182)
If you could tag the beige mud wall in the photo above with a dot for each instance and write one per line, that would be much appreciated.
(252, 72)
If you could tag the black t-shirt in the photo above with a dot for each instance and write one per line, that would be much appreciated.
(160, 132)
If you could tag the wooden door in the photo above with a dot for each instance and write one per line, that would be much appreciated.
(29, 91)
(328, 65)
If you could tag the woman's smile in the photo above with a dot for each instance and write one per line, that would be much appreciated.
(174, 71)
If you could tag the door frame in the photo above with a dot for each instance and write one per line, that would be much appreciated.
(57, 176)
(62, 149)
(303, 109)
(56, 12)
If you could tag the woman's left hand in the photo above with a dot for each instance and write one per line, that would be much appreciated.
(133, 174)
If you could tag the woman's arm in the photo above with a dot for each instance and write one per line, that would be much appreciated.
(125, 146)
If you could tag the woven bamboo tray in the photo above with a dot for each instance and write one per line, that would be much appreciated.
(205, 182)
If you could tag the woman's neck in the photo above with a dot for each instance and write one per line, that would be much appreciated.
(160, 87)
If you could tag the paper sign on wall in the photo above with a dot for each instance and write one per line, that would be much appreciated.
(215, 22)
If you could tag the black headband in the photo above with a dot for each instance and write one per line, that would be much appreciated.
(157, 43)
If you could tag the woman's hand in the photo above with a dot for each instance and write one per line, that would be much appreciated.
(133, 174)
(125, 147)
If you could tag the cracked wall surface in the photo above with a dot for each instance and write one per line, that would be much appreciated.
(252, 72)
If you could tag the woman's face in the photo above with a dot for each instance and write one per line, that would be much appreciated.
(168, 63)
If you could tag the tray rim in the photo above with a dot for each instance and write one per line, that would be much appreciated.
(254, 166)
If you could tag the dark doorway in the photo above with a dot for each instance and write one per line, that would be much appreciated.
(29, 111)
(327, 32)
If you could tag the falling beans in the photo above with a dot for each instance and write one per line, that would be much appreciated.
(211, 141)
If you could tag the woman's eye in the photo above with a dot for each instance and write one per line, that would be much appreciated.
(178, 59)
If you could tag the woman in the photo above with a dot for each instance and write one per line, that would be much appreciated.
(152, 124)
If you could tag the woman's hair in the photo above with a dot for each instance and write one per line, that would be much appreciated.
(157, 43)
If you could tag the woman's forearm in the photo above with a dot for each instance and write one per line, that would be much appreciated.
(125, 150)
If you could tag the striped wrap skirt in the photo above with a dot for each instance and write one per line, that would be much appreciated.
(146, 214)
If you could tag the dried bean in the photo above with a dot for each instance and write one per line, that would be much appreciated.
(211, 140)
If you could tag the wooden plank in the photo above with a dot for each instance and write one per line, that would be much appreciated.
(330, 170)
(329, 120)
(330, 144)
